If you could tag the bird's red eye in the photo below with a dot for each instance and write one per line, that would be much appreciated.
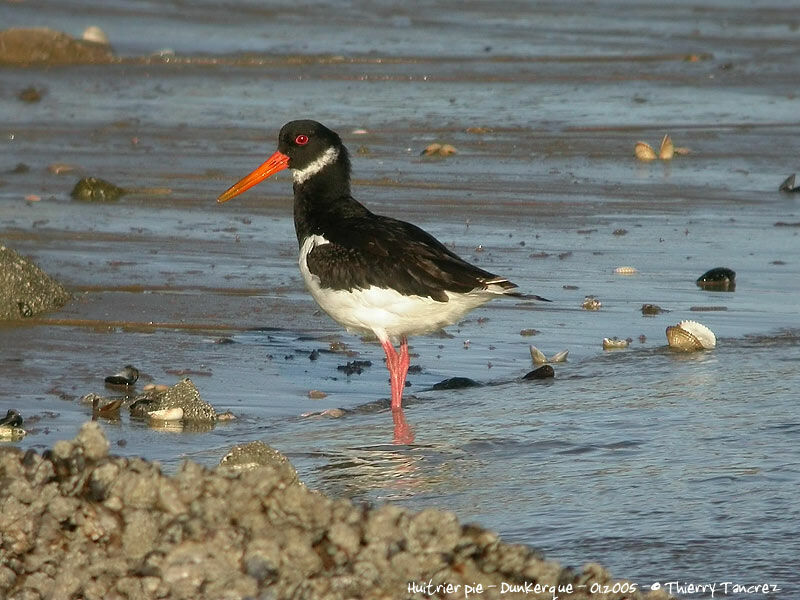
(301, 140)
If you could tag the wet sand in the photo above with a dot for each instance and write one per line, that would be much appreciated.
(536, 192)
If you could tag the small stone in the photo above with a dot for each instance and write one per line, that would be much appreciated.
(94, 189)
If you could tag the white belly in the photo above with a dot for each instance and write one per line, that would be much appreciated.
(386, 312)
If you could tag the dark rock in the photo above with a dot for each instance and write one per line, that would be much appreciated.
(355, 367)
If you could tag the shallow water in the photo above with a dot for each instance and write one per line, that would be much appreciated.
(661, 466)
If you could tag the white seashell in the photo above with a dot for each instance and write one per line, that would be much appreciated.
(538, 356)
(167, 414)
(614, 343)
(644, 151)
(667, 150)
(689, 336)
(625, 270)
(94, 34)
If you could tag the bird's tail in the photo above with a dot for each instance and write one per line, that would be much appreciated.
(522, 296)
(506, 288)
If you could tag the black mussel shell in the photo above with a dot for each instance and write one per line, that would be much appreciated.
(788, 185)
(720, 278)
(455, 383)
(12, 419)
(127, 376)
(543, 372)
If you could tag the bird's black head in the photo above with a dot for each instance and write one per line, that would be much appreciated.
(307, 148)
(306, 142)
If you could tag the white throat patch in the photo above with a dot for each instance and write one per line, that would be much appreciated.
(328, 157)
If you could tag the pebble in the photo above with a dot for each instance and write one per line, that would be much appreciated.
(652, 310)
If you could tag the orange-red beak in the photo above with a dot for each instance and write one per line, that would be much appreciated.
(277, 162)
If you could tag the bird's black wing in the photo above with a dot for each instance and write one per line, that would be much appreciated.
(367, 250)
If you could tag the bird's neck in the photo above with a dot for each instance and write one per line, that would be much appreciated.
(319, 198)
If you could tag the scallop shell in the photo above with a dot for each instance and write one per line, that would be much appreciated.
(690, 336)
(625, 271)
(644, 151)
(667, 150)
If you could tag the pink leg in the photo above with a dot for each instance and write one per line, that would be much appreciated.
(402, 430)
(398, 369)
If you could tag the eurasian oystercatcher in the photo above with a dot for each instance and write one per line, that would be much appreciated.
(373, 274)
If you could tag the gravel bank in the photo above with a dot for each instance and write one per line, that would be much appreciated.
(78, 523)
